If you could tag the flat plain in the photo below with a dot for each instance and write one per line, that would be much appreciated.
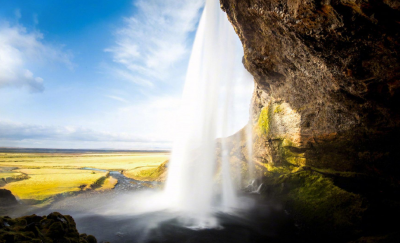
(38, 178)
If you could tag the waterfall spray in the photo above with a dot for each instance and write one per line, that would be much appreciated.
(250, 162)
(205, 115)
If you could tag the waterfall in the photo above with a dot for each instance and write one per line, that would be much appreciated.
(249, 146)
(206, 114)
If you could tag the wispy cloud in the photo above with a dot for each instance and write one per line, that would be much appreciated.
(154, 39)
(118, 98)
(15, 131)
(20, 49)
(130, 77)
(154, 117)
(35, 19)
(17, 13)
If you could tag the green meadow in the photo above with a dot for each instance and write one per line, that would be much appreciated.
(38, 178)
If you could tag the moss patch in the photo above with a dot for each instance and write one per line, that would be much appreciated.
(288, 153)
(264, 120)
(318, 205)
(278, 170)
(278, 109)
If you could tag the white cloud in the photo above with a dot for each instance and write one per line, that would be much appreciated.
(155, 38)
(45, 136)
(154, 117)
(20, 49)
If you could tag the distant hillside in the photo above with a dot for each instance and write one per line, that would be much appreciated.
(46, 150)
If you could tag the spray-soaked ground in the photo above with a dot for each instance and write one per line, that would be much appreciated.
(130, 213)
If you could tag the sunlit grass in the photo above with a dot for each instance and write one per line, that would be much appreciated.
(143, 174)
(60, 174)
(9, 175)
(44, 184)
(109, 161)
(108, 184)
(148, 173)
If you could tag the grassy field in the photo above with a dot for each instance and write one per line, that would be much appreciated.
(6, 175)
(49, 175)
(44, 184)
(106, 161)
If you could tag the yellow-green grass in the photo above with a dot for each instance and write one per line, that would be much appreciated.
(154, 173)
(108, 184)
(54, 174)
(142, 174)
(9, 175)
(44, 184)
(106, 161)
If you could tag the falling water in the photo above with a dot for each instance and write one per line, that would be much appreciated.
(205, 115)
(252, 172)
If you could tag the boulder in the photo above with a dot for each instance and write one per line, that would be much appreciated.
(54, 227)
(7, 198)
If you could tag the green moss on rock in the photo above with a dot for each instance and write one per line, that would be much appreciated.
(317, 204)
(278, 109)
(264, 120)
(288, 153)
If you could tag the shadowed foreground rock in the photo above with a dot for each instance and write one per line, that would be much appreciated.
(7, 198)
(47, 229)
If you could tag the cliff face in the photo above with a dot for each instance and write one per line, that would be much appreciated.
(328, 79)
(326, 108)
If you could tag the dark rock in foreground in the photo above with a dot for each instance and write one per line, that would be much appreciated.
(7, 198)
(53, 228)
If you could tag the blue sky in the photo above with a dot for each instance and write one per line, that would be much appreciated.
(93, 74)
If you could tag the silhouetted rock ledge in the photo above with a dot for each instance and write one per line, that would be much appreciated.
(7, 198)
(326, 111)
(47, 229)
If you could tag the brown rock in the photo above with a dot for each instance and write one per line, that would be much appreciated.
(334, 67)
(325, 110)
